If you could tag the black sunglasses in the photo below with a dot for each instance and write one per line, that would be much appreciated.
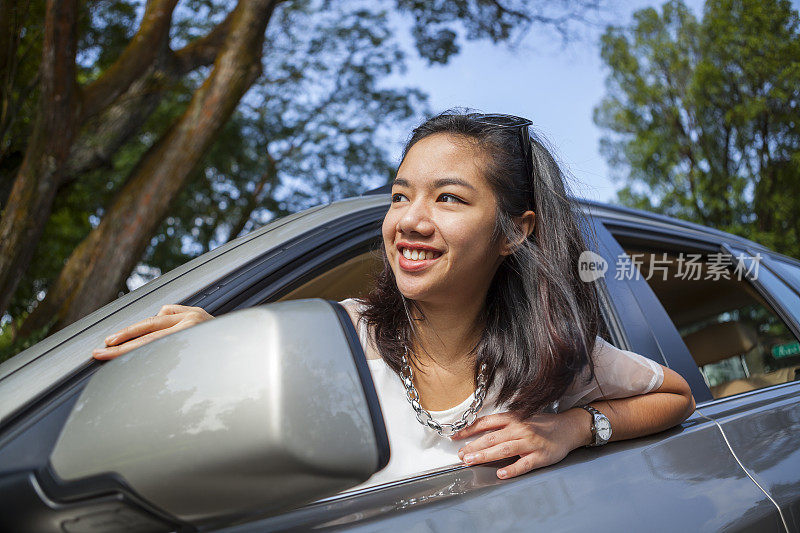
(511, 121)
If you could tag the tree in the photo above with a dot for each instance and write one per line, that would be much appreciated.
(153, 113)
(703, 116)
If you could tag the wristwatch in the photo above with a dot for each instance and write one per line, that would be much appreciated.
(601, 427)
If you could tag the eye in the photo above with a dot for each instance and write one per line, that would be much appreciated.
(450, 198)
(397, 197)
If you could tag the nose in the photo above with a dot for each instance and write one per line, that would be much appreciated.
(416, 219)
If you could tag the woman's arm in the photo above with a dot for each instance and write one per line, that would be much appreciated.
(665, 407)
(547, 438)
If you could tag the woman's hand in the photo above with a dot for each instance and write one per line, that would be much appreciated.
(170, 318)
(541, 440)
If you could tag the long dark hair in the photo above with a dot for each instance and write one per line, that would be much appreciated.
(540, 319)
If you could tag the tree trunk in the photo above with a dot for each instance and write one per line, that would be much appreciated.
(95, 269)
(31, 198)
(62, 108)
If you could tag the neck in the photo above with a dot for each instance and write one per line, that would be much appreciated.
(448, 333)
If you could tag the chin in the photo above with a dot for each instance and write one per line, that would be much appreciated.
(420, 292)
(416, 287)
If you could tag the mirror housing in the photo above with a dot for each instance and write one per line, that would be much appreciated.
(255, 412)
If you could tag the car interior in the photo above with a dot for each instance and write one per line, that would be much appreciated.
(351, 279)
(738, 342)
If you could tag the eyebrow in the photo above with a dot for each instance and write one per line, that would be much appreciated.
(439, 183)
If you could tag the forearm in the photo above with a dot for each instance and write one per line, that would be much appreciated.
(635, 416)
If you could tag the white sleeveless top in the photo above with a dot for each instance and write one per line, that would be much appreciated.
(415, 448)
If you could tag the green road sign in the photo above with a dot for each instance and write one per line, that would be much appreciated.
(785, 350)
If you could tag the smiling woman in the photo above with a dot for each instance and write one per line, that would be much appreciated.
(481, 337)
(479, 310)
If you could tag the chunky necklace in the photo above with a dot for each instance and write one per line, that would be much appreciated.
(424, 416)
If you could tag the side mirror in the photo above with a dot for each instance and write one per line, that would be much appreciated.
(252, 413)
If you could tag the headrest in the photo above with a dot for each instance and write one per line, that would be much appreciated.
(720, 341)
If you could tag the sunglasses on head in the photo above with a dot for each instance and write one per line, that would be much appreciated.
(511, 121)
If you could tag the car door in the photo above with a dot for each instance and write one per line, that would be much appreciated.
(684, 479)
(757, 415)
(40, 387)
(763, 425)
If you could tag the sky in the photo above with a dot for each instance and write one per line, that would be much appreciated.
(555, 86)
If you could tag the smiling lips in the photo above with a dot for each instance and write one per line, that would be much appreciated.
(415, 257)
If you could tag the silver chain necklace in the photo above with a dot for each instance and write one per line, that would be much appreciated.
(424, 416)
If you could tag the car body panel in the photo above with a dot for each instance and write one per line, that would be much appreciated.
(763, 430)
(681, 480)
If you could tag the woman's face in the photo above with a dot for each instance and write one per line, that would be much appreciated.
(438, 230)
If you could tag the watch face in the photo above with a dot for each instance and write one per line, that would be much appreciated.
(603, 428)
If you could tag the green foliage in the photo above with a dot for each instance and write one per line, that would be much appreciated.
(703, 116)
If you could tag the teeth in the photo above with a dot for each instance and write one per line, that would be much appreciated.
(418, 255)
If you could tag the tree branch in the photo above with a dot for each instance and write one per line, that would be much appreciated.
(500, 8)
(100, 139)
(202, 51)
(133, 61)
(124, 117)
(269, 176)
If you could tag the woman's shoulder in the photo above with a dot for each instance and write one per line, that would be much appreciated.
(355, 308)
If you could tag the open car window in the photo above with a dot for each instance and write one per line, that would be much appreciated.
(737, 339)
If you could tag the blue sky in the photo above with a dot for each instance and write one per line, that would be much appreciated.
(555, 86)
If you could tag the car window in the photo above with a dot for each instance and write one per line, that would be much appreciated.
(738, 341)
(349, 279)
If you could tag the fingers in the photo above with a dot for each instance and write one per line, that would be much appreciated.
(171, 309)
(485, 423)
(111, 352)
(504, 450)
(525, 464)
(143, 327)
(170, 318)
(487, 441)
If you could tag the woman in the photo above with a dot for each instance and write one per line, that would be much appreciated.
(479, 310)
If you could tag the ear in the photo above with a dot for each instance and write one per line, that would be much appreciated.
(525, 222)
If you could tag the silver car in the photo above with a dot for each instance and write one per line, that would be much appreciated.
(266, 418)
